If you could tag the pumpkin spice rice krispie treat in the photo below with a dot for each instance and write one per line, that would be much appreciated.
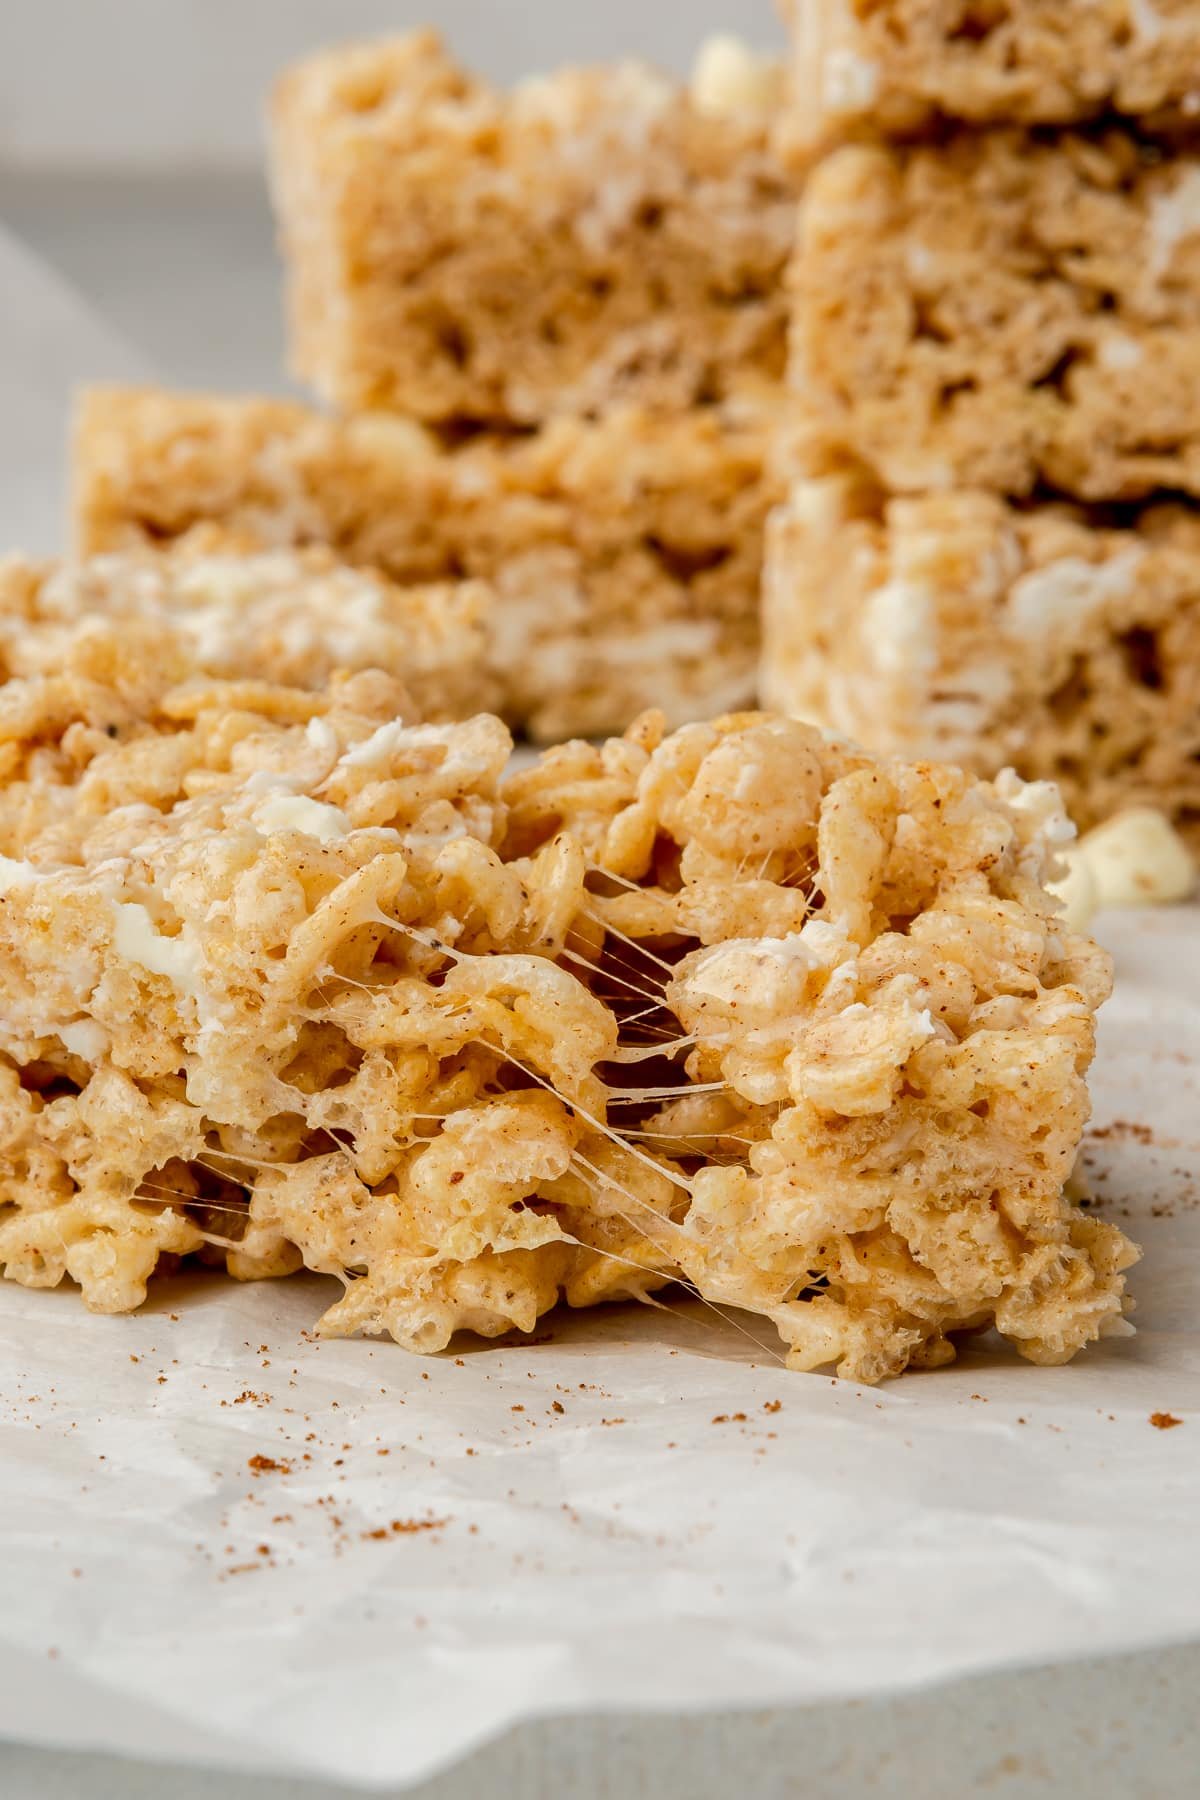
(1004, 310)
(623, 554)
(597, 236)
(898, 66)
(287, 981)
(963, 627)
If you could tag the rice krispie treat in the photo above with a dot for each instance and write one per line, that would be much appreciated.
(1004, 310)
(287, 981)
(291, 617)
(896, 66)
(220, 1030)
(960, 626)
(624, 554)
(595, 236)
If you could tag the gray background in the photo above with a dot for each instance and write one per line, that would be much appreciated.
(120, 83)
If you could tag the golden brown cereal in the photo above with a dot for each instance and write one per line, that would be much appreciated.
(624, 555)
(961, 627)
(289, 981)
(597, 236)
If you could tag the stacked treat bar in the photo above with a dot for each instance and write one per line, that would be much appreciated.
(990, 549)
(620, 556)
(553, 325)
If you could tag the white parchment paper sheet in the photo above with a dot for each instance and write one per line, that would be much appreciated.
(222, 1541)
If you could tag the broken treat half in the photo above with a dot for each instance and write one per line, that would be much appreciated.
(285, 981)
(597, 236)
(623, 555)
(1051, 637)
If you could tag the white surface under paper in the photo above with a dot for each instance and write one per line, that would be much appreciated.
(643, 1547)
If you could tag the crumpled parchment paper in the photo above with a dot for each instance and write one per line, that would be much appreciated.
(223, 1541)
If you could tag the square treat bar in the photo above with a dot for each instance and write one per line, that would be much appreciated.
(896, 66)
(294, 618)
(962, 627)
(460, 253)
(1004, 310)
(624, 554)
(284, 981)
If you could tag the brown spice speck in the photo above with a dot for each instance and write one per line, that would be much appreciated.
(1122, 1129)
(1164, 1421)
(267, 1465)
